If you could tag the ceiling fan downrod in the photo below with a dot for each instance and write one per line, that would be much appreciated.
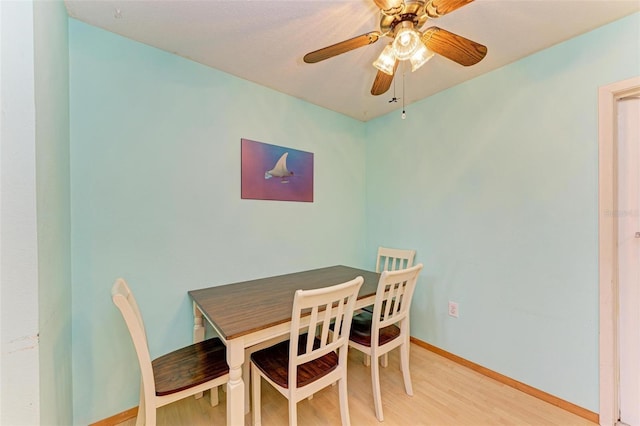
(404, 114)
(389, 7)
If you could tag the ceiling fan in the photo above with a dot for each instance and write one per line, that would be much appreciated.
(402, 20)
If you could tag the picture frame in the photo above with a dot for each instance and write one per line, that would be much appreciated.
(272, 172)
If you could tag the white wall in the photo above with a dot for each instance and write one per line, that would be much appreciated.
(35, 250)
(19, 375)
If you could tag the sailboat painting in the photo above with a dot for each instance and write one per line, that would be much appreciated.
(272, 172)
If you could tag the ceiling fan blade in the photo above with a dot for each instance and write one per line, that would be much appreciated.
(437, 8)
(389, 7)
(342, 47)
(454, 47)
(383, 81)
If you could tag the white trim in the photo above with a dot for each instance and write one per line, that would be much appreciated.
(607, 233)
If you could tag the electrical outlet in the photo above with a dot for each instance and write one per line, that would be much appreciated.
(453, 309)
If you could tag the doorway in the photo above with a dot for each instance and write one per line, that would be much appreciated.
(629, 259)
(619, 253)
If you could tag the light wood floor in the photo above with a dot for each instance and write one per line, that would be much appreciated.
(445, 393)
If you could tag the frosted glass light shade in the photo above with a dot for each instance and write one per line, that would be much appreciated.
(420, 57)
(386, 61)
(405, 43)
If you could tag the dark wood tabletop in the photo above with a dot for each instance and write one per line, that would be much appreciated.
(245, 307)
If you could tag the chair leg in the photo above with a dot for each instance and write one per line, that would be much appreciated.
(344, 402)
(375, 383)
(146, 414)
(150, 416)
(293, 412)
(385, 360)
(367, 360)
(404, 366)
(213, 396)
(256, 379)
(140, 418)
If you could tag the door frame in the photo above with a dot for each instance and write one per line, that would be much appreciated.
(608, 242)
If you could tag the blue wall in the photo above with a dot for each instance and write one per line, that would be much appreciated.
(494, 182)
(497, 183)
(155, 198)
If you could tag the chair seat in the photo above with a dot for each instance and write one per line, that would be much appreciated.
(274, 363)
(190, 366)
(361, 330)
(370, 307)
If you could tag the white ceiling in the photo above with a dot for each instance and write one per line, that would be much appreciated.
(263, 41)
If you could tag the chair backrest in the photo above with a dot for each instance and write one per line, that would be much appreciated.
(323, 306)
(123, 298)
(390, 259)
(393, 300)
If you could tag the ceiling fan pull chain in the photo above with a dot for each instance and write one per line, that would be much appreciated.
(404, 114)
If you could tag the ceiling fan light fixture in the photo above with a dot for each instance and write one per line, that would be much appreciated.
(406, 42)
(420, 57)
(386, 61)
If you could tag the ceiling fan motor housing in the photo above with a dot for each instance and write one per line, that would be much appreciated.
(412, 11)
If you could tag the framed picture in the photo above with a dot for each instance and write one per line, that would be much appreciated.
(271, 172)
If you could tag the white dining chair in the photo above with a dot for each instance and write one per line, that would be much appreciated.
(184, 372)
(390, 259)
(313, 357)
(387, 328)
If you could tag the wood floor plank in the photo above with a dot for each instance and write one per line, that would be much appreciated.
(445, 393)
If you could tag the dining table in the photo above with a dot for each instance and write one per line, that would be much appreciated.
(252, 313)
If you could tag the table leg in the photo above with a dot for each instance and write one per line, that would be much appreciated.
(235, 386)
(198, 334)
(198, 325)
